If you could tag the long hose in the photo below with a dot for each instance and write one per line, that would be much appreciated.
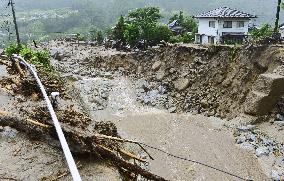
(69, 158)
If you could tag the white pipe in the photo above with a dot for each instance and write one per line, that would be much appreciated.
(70, 161)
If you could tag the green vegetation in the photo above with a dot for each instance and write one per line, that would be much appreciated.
(233, 53)
(41, 58)
(189, 28)
(264, 32)
(48, 19)
(99, 37)
(141, 29)
(79, 37)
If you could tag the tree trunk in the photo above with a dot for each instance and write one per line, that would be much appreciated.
(15, 21)
(277, 17)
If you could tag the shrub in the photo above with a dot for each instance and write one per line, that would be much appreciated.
(41, 58)
(264, 32)
(13, 49)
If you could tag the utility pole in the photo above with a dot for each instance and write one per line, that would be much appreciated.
(15, 21)
(277, 17)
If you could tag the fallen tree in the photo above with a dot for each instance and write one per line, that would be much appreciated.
(82, 142)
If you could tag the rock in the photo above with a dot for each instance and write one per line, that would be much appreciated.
(267, 141)
(204, 103)
(275, 175)
(241, 139)
(181, 84)
(9, 132)
(172, 109)
(245, 128)
(278, 123)
(59, 56)
(266, 91)
(20, 98)
(279, 117)
(252, 137)
(280, 162)
(247, 146)
(262, 151)
(172, 70)
(53, 52)
(139, 69)
(160, 75)
(156, 66)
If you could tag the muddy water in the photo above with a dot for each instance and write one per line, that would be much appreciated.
(193, 137)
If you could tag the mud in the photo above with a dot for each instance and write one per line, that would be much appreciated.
(128, 91)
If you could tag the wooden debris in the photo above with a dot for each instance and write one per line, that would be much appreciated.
(124, 140)
(131, 155)
(5, 63)
(38, 123)
(4, 113)
(8, 178)
(81, 143)
(19, 69)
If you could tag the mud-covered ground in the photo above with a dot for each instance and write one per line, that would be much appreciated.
(115, 95)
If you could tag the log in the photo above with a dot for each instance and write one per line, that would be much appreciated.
(80, 142)
(4, 63)
(19, 69)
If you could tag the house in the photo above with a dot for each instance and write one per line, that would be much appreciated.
(281, 31)
(222, 25)
(176, 28)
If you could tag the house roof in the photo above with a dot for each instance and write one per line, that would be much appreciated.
(225, 12)
(172, 24)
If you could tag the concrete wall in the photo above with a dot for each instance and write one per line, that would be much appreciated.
(282, 32)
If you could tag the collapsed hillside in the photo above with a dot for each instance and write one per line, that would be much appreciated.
(137, 93)
(214, 81)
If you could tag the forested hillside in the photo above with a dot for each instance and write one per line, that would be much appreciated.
(50, 18)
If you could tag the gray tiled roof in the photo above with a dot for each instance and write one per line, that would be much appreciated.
(225, 12)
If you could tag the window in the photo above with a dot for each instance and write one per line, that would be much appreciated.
(227, 24)
(210, 39)
(240, 24)
(212, 24)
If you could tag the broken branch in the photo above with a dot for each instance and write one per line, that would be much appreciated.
(80, 141)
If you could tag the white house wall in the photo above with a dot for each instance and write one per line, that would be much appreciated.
(234, 28)
(203, 27)
(205, 30)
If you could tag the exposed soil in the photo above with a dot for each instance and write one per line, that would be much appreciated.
(167, 97)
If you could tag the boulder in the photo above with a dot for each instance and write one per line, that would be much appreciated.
(156, 66)
(59, 56)
(160, 75)
(247, 146)
(275, 175)
(265, 93)
(54, 52)
(181, 84)
(261, 151)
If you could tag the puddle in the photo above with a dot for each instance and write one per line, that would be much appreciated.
(3, 71)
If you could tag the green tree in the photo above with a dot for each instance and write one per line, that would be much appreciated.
(99, 37)
(160, 33)
(132, 34)
(145, 19)
(119, 32)
(93, 33)
(265, 31)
